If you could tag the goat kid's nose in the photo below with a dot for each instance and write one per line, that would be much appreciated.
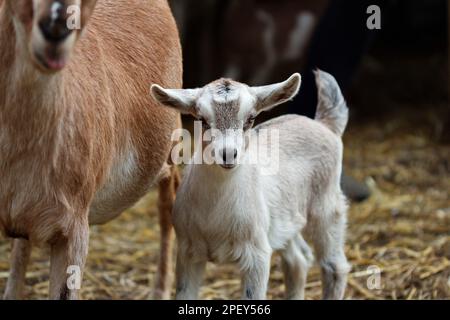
(54, 30)
(228, 155)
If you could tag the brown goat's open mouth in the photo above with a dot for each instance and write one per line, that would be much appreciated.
(51, 62)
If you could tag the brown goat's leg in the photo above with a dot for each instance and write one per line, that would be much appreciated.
(20, 256)
(68, 257)
(164, 277)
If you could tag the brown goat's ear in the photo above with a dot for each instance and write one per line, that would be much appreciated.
(273, 95)
(184, 100)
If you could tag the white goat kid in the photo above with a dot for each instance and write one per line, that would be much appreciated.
(232, 212)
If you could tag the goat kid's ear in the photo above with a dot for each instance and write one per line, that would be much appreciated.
(275, 94)
(183, 100)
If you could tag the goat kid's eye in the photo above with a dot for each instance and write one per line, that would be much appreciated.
(249, 123)
(205, 124)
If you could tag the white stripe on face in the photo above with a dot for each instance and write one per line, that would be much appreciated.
(55, 10)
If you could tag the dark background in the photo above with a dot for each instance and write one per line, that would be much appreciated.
(406, 62)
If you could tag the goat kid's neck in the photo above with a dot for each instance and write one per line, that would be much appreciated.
(218, 176)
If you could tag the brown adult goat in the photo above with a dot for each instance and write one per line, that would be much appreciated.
(80, 138)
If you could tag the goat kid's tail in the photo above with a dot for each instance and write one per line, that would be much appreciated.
(332, 109)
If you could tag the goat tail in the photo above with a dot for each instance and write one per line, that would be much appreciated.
(332, 109)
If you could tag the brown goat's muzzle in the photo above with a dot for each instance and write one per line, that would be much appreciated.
(53, 36)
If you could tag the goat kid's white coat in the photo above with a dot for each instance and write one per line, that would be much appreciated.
(233, 213)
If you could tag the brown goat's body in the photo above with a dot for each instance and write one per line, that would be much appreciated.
(87, 142)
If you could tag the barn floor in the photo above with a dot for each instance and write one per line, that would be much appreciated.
(403, 229)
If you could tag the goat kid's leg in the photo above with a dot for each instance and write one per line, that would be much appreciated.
(296, 259)
(189, 275)
(20, 256)
(255, 268)
(167, 191)
(329, 240)
(68, 257)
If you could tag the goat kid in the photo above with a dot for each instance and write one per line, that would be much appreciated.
(80, 138)
(231, 212)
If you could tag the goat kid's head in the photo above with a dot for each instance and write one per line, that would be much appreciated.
(228, 110)
(49, 29)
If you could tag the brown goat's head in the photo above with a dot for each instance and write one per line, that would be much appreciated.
(49, 29)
